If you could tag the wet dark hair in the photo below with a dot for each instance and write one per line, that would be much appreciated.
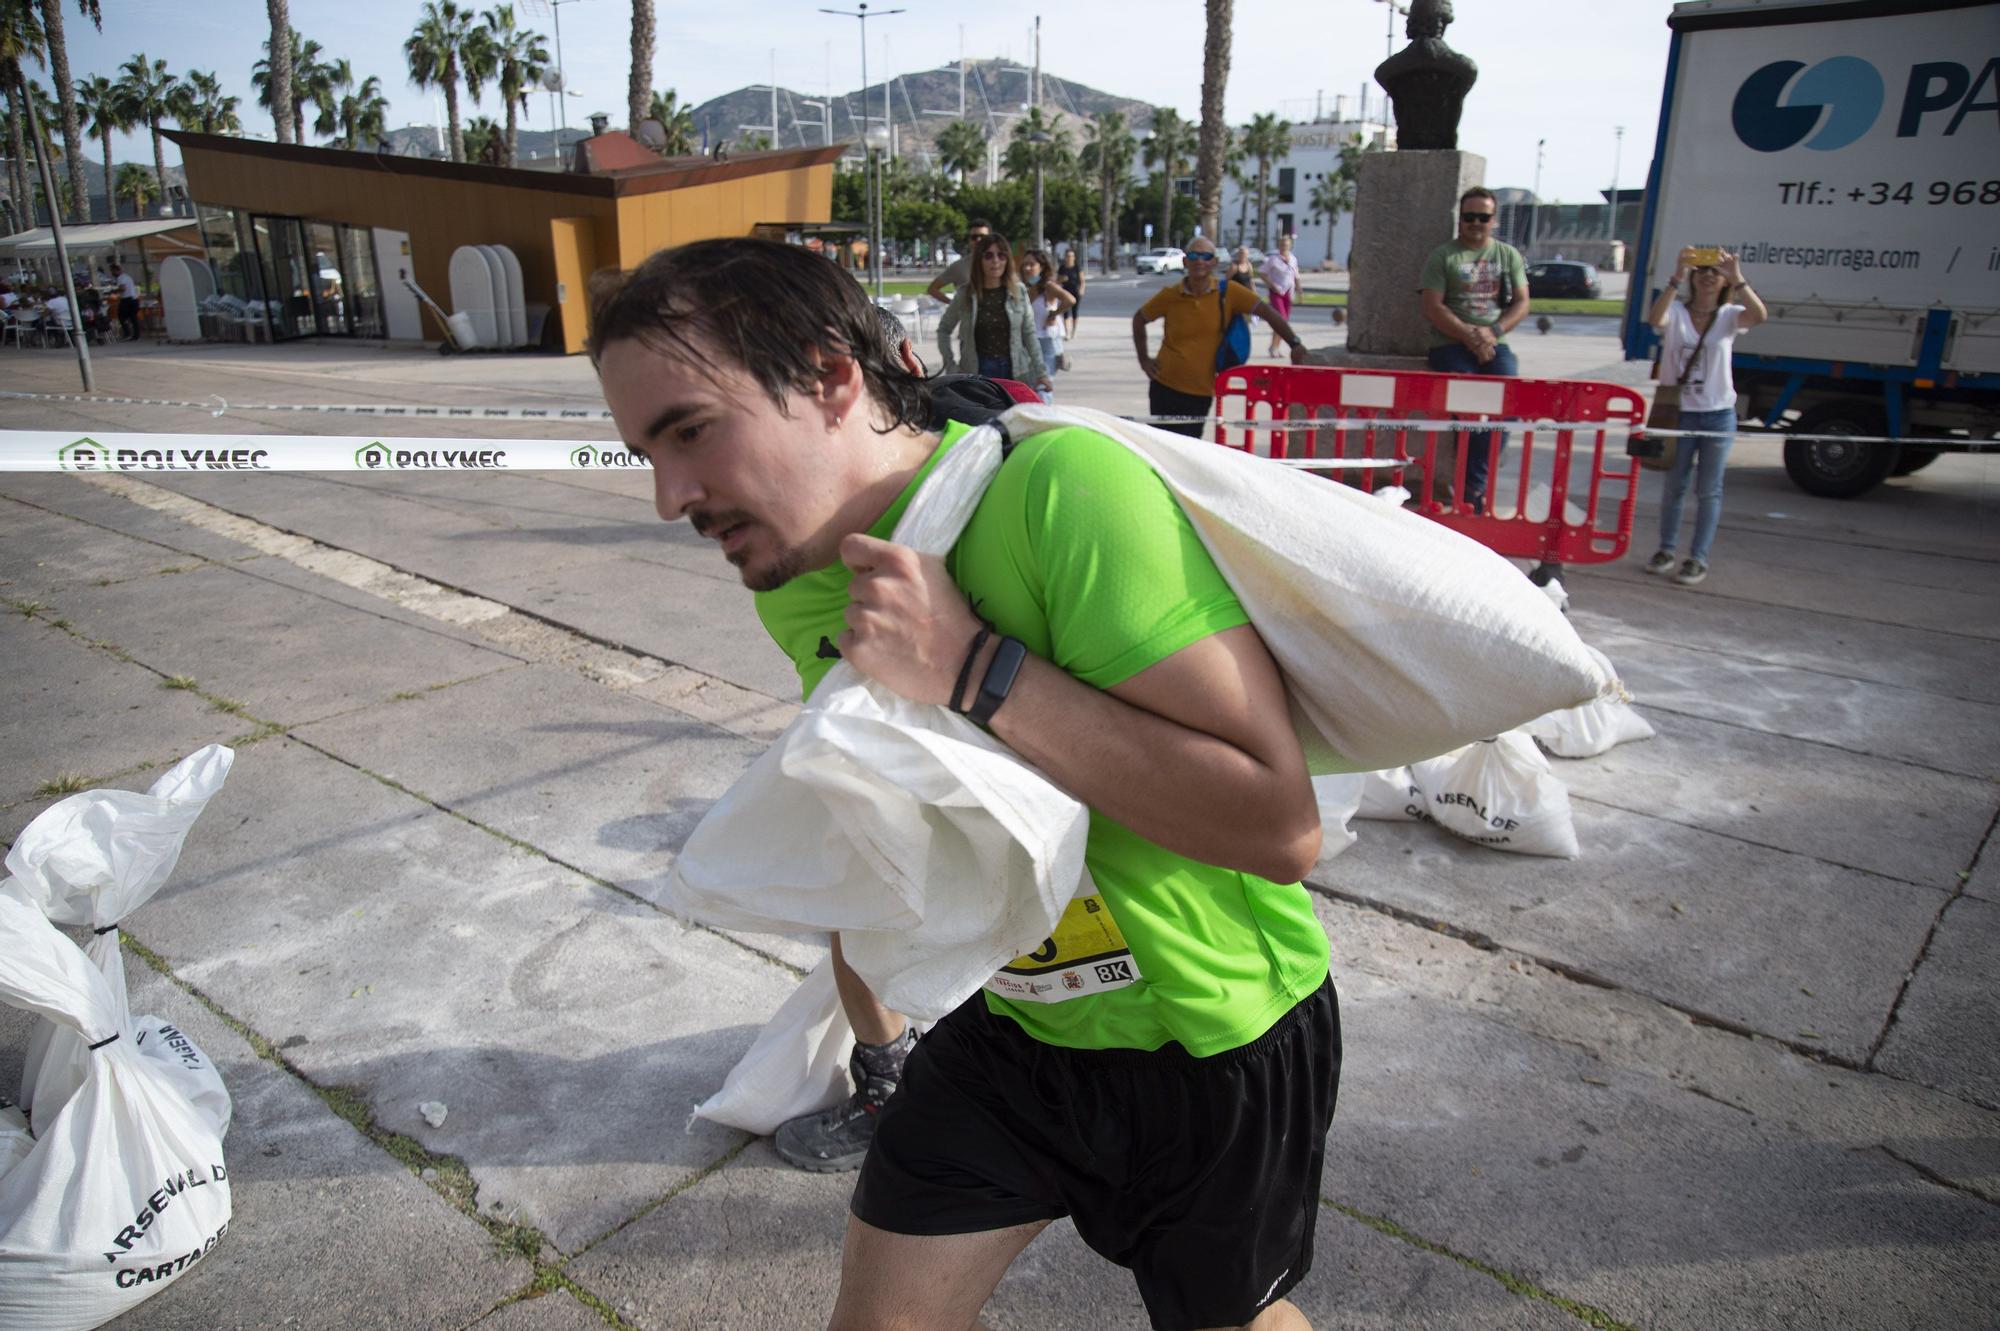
(762, 305)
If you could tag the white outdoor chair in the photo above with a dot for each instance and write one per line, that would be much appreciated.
(60, 324)
(911, 312)
(9, 327)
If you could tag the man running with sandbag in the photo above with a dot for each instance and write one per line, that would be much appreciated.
(1168, 1080)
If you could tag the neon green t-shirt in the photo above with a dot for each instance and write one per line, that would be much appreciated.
(1080, 551)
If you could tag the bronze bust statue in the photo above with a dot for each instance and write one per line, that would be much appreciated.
(1427, 80)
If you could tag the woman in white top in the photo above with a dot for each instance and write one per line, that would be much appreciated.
(1048, 300)
(1698, 336)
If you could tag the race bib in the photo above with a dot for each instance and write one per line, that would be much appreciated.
(1086, 955)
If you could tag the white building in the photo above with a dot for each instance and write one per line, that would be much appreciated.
(1317, 147)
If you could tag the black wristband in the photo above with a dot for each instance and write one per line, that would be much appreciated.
(999, 681)
(965, 671)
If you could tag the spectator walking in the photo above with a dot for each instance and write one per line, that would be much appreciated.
(1475, 290)
(1281, 281)
(1072, 278)
(1241, 270)
(128, 302)
(1698, 336)
(1197, 312)
(1187, 1086)
(989, 327)
(1047, 301)
(958, 273)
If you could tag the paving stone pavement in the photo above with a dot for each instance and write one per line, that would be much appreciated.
(1736, 1065)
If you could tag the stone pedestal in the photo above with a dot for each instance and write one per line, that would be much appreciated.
(1405, 206)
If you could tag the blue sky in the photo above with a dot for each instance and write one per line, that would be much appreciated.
(1564, 71)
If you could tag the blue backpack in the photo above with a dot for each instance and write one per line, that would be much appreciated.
(1235, 346)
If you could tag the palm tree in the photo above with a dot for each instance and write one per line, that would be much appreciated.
(676, 120)
(961, 148)
(1267, 139)
(311, 80)
(1058, 154)
(20, 41)
(278, 74)
(71, 122)
(1214, 130)
(1233, 169)
(1334, 194)
(517, 58)
(484, 141)
(1109, 153)
(444, 49)
(136, 185)
(209, 110)
(153, 95)
(355, 118)
(1171, 141)
(639, 86)
(103, 103)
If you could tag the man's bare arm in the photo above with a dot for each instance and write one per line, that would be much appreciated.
(1195, 753)
(936, 289)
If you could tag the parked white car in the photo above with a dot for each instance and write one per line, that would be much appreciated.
(1161, 261)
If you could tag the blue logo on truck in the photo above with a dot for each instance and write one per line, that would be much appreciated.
(1778, 107)
(1829, 105)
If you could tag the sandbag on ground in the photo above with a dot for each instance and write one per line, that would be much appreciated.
(1499, 793)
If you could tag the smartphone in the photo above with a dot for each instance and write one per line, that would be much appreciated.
(1707, 256)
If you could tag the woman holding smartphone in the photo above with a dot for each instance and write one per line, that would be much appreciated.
(1698, 335)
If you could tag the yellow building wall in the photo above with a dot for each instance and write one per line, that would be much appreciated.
(648, 223)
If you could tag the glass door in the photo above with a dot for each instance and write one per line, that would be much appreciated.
(363, 289)
(281, 250)
(329, 281)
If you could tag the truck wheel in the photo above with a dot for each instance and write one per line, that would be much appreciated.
(1836, 470)
(1914, 459)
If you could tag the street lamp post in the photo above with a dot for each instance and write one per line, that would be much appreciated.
(1535, 210)
(1611, 213)
(1389, 38)
(1039, 140)
(860, 11)
(877, 139)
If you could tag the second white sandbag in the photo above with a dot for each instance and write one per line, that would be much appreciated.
(1593, 728)
(126, 1189)
(90, 861)
(1500, 793)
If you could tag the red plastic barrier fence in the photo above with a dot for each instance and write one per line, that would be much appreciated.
(1552, 494)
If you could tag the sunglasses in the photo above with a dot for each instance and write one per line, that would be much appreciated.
(1201, 256)
(1475, 217)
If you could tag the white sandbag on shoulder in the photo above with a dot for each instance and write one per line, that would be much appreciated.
(1390, 796)
(126, 1189)
(1339, 797)
(1597, 726)
(90, 861)
(796, 1065)
(1500, 793)
(1398, 638)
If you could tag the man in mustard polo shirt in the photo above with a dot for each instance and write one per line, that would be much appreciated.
(1182, 377)
(1163, 1070)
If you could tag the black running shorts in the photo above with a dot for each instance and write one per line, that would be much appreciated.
(1199, 1175)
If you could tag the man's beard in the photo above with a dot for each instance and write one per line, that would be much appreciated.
(788, 564)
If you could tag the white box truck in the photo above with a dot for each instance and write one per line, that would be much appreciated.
(1849, 152)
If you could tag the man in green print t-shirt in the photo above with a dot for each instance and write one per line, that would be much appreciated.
(1162, 1070)
(1474, 291)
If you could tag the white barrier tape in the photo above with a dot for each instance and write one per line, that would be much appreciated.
(44, 450)
(217, 406)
